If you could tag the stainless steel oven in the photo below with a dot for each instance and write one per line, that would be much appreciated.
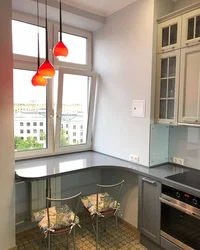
(180, 218)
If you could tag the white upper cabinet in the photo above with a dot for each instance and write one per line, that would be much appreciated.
(189, 95)
(169, 35)
(191, 28)
(167, 87)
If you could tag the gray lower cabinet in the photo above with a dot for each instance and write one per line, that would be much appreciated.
(149, 208)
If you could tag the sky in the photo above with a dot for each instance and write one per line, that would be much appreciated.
(75, 87)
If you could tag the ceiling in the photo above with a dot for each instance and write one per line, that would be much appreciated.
(99, 7)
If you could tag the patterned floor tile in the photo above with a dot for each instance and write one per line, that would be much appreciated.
(128, 239)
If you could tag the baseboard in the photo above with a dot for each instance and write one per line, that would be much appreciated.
(13, 248)
(128, 224)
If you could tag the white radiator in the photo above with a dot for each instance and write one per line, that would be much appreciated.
(38, 193)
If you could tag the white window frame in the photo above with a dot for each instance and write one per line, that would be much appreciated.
(76, 32)
(24, 62)
(49, 114)
(88, 144)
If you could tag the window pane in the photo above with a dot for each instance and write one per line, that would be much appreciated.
(172, 66)
(173, 34)
(29, 112)
(162, 114)
(190, 29)
(24, 38)
(77, 47)
(171, 88)
(164, 67)
(163, 88)
(165, 37)
(198, 26)
(74, 110)
(170, 109)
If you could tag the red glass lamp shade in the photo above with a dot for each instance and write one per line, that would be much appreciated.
(60, 50)
(38, 80)
(47, 70)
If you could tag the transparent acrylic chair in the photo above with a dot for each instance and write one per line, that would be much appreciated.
(59, 219)
(103, 205)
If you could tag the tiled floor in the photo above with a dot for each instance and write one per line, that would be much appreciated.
(128, 239)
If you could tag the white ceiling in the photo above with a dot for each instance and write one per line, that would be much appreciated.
(99, 7)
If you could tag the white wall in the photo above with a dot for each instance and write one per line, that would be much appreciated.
(123, 59)
(7, 218)
(183, 3)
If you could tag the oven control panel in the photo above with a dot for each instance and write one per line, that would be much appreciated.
(182, 196)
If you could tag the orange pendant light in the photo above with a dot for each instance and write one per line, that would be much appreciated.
(37, 79)
(60, 50)
(47, 70)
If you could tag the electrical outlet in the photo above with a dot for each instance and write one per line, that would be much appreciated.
(177, 160)
(134, 158)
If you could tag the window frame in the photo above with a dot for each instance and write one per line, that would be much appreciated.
(49, 114)
(76, 32)
(91, 99)
(23, 62)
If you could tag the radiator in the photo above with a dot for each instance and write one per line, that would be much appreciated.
(38, 193)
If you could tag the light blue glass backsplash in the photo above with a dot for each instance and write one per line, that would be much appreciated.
(175, 141)
(184, 142)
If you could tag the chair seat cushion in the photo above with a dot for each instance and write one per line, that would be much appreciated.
(105, 202)
(60, 217)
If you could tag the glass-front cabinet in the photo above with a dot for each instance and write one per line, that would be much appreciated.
(169, 35)
(191, 28)
(167, 87)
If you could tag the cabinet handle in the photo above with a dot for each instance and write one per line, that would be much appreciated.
(149, 181)
(172, 47)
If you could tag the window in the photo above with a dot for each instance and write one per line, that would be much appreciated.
(81, 126)
(20, 45)
(79, 43)
(74, 100)
(74, 105)
(81, 133)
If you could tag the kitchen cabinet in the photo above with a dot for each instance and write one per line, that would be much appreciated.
(149, 208)
(189, 95)
(169, 35)
(167, 87)
(191, 28)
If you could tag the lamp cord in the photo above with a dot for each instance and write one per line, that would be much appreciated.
(38, 35)
(60, 21)
(47, 49)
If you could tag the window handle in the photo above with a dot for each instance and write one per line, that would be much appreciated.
(58, 115)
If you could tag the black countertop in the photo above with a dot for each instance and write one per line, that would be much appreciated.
(50, 167)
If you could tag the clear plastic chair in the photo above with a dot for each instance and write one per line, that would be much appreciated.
(61, 218)
(103, 205)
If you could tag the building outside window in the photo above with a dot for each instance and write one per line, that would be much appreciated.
(21, 124)
(34, 131)
(21, 131)
(28, 131)
(35, 124)
(74, 133)
(41, 123)
(74, 126)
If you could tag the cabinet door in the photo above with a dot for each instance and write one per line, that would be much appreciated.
(149, 208)
(169, 35)
(189, 99)
(191, 28)
(167, 87)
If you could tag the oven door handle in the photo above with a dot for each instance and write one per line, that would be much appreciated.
(171, 204)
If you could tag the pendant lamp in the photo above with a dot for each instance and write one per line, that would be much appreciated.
(60, 50)
(46, 70)
(37, 79)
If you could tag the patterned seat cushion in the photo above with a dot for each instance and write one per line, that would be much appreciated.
(60, 217)
(105, 203)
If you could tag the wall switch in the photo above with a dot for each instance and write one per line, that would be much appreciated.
(134, 158)
(177, 160)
